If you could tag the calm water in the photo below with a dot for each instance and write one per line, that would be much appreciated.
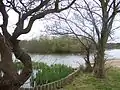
(69, 59)
(113, 54)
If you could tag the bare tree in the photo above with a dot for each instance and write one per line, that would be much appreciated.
(30, 10)
(93, 20)
(65, 26)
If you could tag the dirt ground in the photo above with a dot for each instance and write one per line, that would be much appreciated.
(115, 63)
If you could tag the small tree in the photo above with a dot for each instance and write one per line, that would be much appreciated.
(88, 47)
(67, 28)
(30, 10)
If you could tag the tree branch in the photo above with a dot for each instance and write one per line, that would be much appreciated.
(40, 15)
(5, 20)
(30, 12)
(93, 20)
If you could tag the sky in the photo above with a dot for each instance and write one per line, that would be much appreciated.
(35, 31)
(38, 26)
(116, 33)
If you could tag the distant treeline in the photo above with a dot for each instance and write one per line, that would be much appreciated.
(113, 46)
(45, 45)
(54, 45)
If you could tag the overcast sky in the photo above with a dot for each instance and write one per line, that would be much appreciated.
(38, 26)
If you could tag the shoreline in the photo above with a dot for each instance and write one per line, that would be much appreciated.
(113, 62)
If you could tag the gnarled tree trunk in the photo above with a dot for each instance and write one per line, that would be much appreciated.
(10, 79)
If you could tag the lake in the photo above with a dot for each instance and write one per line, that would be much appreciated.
(73, 60)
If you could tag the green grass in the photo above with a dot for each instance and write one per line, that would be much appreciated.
(86, 81)
(47, 74)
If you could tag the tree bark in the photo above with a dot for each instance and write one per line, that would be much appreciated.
(88, 67)
(10, 74)
(99, 69)
(25, 59)
(11, 80)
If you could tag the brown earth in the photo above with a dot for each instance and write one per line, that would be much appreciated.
(115, 63)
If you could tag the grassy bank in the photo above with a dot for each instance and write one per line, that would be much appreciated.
(48, 74)
(86, 81)
(45, 73)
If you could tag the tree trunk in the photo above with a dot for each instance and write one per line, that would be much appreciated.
(88, 67)
(11, 80)
(99, 69)
(9, 87)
